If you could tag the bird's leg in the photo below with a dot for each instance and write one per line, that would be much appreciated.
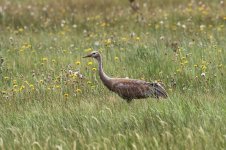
(128, 100)
(158, 99)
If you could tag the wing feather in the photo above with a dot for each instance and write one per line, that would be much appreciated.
(159, 90)
(131, 89)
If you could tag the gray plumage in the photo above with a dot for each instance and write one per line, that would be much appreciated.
(129, 89)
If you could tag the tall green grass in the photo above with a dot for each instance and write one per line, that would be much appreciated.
(45, 105)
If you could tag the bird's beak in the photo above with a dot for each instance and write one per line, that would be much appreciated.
(87, 56)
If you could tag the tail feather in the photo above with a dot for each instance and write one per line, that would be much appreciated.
(159, 90)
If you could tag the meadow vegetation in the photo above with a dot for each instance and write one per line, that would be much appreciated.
(52, 98)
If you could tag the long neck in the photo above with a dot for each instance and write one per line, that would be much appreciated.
(105, 79)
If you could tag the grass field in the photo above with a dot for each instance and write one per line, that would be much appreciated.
(52, 98)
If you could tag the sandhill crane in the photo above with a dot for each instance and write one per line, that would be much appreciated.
(126, 88)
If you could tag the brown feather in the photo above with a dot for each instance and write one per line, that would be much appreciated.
(136, 89)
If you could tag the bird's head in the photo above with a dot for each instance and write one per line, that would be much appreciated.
(94, 54)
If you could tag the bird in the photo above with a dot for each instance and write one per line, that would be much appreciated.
(126, 88)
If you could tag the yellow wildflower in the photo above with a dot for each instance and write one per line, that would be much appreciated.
(183, 58)
(22, 87)
(178, 70)
(103, 24)
(90, 63)
(41, 81)
(65, 51)
(94, 69)
(26, 82)
(26, 45)
(21, 30)
(57, 86)
(15, 90)
(116, 58)
(44, 59)
(78, 90)
(6, 78)
(220, 65)
(4, 92)
(23, 47)
(77, 62)
(107, 42)
(66, 95)
(137, 38)
(21, 50)
(185, 62)
(14, 82)
(31, 86)
(203, 67)
(88, 50)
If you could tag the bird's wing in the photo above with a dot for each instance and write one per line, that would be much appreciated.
(130, 84)
(131, 88)
(159, 89)
(139, 89)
